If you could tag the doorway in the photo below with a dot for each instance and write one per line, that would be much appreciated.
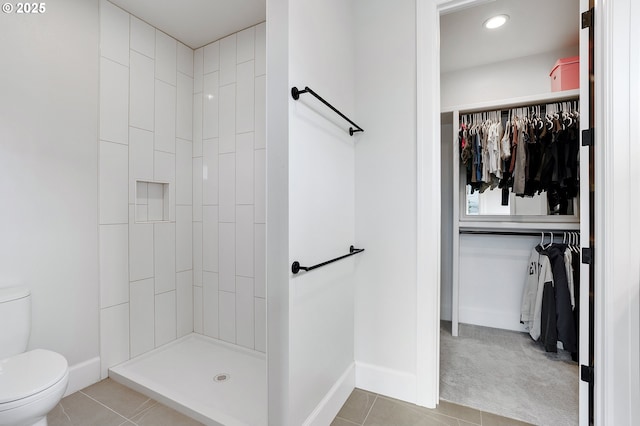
(484, 84)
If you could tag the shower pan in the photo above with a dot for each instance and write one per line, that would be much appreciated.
(211, 381)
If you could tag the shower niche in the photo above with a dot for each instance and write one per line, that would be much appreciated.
(152, 201)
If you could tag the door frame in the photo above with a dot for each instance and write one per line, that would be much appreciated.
(617, 155)
(428, 14)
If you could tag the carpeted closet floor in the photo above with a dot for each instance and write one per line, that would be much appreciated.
(507, 373)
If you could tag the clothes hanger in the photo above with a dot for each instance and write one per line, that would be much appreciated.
(550, 241)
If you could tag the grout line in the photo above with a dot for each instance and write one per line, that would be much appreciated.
(116, 62)
(348, 421)
(105, 406)
(370, 408)
(140, 128)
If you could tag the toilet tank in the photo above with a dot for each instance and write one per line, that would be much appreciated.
(15, 320)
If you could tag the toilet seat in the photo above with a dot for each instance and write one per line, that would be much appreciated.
(31, 376)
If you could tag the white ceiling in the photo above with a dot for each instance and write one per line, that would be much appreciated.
(197, 22)
(534, 27)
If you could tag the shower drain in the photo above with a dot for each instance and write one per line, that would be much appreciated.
(222, 377)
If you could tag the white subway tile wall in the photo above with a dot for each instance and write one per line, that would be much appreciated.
(165, 117)
(142, 317)
(114, 101)
(210, 303)
(140, 158)
(114, 33)
(113, 182)
(184, 238)
(184, 302)
(146, 102)
(197, 254)
(229, 189)
(143, 37)
(164, 256)
(140, 248)
(184, 112)
(187, 255)
(227, 316)
(165, 317)
(227, 117)
(114, 336)
(166, 58)
(227, 253)
(114, 259)
(197, 309)
(141, 92)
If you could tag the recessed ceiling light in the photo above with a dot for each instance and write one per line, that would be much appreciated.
(496, 21)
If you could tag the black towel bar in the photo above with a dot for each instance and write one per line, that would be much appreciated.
(295, 266)
(295, 93)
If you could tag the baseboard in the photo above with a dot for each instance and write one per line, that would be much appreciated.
(385, 381)
(493, 319)
(328, 408)
(83, 374)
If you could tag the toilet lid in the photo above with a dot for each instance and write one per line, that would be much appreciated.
(30, 372)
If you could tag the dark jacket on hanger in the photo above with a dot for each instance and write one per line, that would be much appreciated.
(564, 312)
(548, 325)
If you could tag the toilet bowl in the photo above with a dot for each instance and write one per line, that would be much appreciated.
(31, 384)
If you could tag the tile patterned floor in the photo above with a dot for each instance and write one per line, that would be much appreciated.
(368, 409)
(108, 403)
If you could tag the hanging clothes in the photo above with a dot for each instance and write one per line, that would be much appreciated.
(563, 311)
(539, 274)
(550, 301)
(528, 150)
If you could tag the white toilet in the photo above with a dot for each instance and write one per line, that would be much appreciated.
(31, 383)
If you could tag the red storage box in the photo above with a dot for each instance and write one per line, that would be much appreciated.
(565, 75)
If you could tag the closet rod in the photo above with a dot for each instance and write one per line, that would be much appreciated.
(525, 234)
(295, 93)
(295, 266)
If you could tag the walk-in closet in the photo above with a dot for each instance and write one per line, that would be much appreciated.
(512, 190)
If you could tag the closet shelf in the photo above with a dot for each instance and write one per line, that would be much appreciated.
(519, 226)
(515, 102)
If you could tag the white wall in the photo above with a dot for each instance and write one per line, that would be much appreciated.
(492, 278)
(48, 173)
(229, 213)
(385, 318)
(146, 284)
(321, 210)
(524, 76)
(277, 171)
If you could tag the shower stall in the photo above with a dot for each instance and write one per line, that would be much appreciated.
(182, 217)
(183, 212)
